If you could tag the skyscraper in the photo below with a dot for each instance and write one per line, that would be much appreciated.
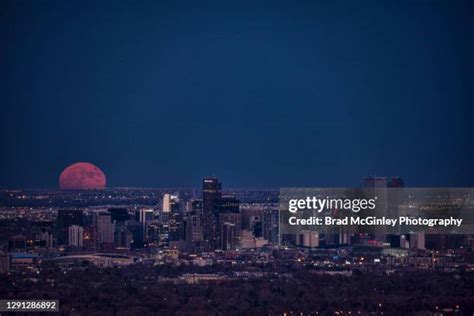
(136, 229)
(46, 238)
(211, 193)
(76, 236)
(90, 236)
(376, 187)
(166, 203)
(252, 220)
(395, 198)
(228, 212)
(65, 219)
(193, 222)
(122, 236)
(227, 236)
(105, 230)
(271, 222)
(169, 202)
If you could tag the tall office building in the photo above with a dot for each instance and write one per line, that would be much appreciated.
(173, 216)
(376, 187)
(90, 237)
(120, 217)
(170, 213)
(227, 236)
(105, 230)
(193, 222)
(46, 239)
(136, 229)
(252, 220)
(229, 218)
(228, 212)
(166, 208)
(65, 219)
(76, 236)
(395, 198)
(271, 228)
(144, 217)
(122, 236)
(170, 202)
(175, 205)
(211, 193)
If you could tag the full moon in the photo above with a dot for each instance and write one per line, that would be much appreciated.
(82, 176)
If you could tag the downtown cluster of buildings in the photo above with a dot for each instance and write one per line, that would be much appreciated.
(217, 221)
(201, 229)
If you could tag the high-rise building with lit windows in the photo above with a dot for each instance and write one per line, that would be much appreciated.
(65, 219)
(105, 229)
(211, 193)
(76, 236)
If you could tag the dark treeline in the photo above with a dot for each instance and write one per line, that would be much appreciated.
(137, 290)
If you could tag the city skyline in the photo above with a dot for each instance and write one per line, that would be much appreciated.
(237, 157)
(132, 243)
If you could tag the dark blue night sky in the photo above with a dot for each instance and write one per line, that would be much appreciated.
(261, 94)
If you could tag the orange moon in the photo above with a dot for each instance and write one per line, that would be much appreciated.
(82, 176)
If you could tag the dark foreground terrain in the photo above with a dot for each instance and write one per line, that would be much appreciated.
(161, 291)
